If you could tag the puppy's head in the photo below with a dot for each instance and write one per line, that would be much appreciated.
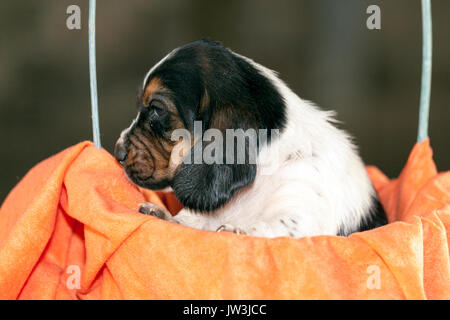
(205, 82)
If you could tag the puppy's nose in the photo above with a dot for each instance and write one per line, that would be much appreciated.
(120, 152)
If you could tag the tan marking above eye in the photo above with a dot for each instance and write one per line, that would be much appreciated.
(153, 86)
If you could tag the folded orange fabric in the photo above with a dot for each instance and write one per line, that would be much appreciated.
(70, 230)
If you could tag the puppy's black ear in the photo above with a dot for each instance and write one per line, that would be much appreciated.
(208, 186)
(205, 188)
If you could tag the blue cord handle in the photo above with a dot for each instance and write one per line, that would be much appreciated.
(426, 71)
(93, 75)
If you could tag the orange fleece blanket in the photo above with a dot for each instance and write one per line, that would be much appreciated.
(70, 230)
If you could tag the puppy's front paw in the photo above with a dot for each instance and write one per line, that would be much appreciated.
(151, 209)
(230, 228)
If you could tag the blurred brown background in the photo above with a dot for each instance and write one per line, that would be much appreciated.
(321, 48)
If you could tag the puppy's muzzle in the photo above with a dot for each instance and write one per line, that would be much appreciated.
(120, 152)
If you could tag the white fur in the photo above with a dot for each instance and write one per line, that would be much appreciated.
(319, 183)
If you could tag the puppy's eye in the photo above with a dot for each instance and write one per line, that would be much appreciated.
(156, 109)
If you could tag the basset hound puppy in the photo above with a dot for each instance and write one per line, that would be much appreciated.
(242, 152)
